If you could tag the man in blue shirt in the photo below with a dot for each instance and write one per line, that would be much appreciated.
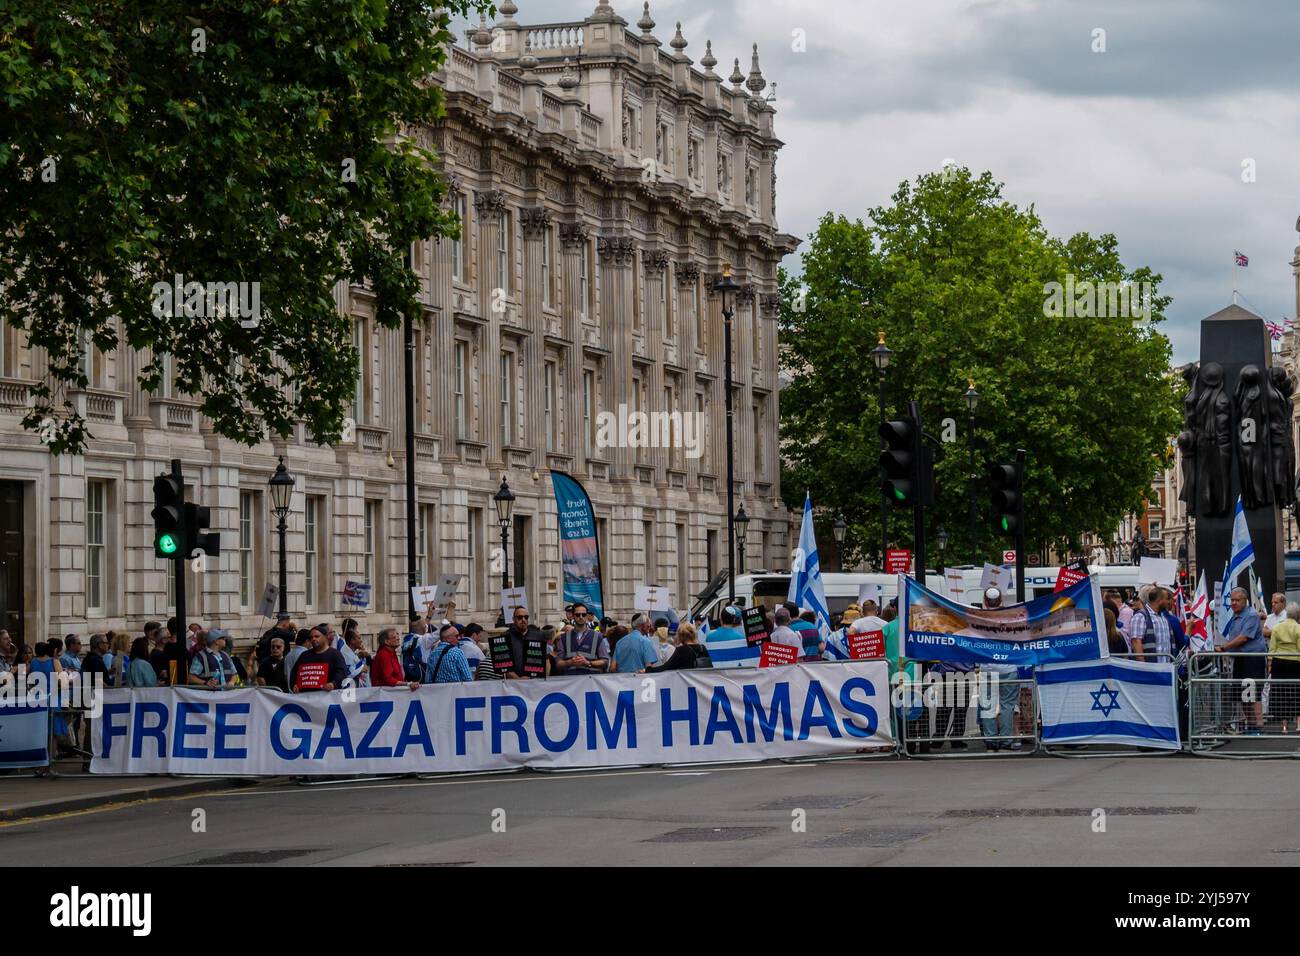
(635, 651)
(727, 645)
(1244, 634)
(447, 664)
(804, 624)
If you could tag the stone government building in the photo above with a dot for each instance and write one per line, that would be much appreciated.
(604, 181)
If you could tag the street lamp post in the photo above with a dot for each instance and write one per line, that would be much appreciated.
(281, 494)
(972, 399)
(881, 355)
(941, 538)
(840, 529)
(742, 528)
(505, 502)
(722, 287)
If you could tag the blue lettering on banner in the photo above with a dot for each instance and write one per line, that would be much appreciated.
(185, 729)
(863, 709)
(624, 713)
(382, 709)
(780, 704)
(539, 722)
(825, 719)
(335, 734)
(223, 730)
(690, 714)
(415, 730)
(158, 731)
(111, 728)
(720, 708)
(518, 723)
(463, 723)
(300, 734)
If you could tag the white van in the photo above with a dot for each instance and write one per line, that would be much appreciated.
(1040, 581)
(772, 587)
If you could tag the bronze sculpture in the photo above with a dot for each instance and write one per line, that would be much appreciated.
(1282, 461)
(1213, 443)
(1254, 457)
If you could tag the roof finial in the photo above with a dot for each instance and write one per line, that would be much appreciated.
(756, 83)
(482, 36)
(647, 22)
(708, 61)
(603, 11)
(528, 62)
(508, 10)
(568, 79)
(678, 42)
(737, 77)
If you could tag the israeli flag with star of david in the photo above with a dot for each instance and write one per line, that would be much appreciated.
(24, 734)
(1110, 701)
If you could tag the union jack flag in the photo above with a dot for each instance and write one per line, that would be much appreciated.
(1242, 260)
(1275, 330)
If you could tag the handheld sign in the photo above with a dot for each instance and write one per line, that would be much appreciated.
(423, 596)
(755, 626)
(867, 646)
(269, 596)
(313, 676)
(897, 560)
(448, 584)
(1162, 571)
(776, 655)
(512, 598)
(868, 592)
(650, 597)
(1071, 573)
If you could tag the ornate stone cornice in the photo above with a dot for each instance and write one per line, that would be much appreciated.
(489, 204)
(535, 220)
(656, 262)
(688, 273)
(573, 234)
(616, 250)
(745, 294)
(771, 304)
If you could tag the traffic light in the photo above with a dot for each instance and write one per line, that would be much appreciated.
(168, 504)
(899, 460)
(1008, 497)
(197, 518)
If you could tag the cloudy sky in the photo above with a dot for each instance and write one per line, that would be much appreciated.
(1146, 140)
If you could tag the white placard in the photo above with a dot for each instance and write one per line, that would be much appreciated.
(1162, 571)
(448, 585)
(269, 596)
(423, 596)
(953, 579)
(868, 592)
(651, 597)
(1004, 579)
(512, 598)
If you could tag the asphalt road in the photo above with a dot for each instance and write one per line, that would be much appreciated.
(1029, 811)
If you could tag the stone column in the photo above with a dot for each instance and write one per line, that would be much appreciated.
(572, 238)
(535, 222)
(616, 255)
(488, 207)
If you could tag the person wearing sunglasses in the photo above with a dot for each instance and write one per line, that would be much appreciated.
(582, 650)
(523, 637)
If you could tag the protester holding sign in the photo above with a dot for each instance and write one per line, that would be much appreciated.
(520, 653)
(319, 669)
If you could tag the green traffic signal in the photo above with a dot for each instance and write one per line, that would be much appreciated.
(1006, 523)
(899, 494)
(167, 544)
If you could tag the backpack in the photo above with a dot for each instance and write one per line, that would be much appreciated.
(702, 658)
(412, 663)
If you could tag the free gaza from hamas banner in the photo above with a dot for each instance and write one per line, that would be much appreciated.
(583, 721)
(1055, 628)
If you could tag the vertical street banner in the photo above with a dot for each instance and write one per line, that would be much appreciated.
(579, 547)
(1055, 628)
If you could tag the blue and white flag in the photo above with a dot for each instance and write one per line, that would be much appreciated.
(1242, 554)
(24, 735)
(806, 588)
(1109, 702)
(728, 647)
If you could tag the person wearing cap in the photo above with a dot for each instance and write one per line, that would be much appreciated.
(727, 645)
(212, 666)
(320, 668)
(284, 628)
(635, 651)
(999, 727)
(851, 614)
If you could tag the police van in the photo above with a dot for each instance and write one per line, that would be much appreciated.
(1041, 581)
(770, 588)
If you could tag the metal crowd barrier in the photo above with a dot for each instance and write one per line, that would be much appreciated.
(1240, 703)
(973, 714)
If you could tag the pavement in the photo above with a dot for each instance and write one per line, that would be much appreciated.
(1175, 810)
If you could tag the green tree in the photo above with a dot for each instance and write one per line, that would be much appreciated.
(224, 141)
(958, 280)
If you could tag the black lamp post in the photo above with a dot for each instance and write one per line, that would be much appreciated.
(722, 287)
(281, 494)
(881, 355)
(742, 529)
(972, 399)
(941, 538)
(505, 502)
(839, 529)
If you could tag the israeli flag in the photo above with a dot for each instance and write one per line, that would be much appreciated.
(727, 651)
(806, 588)
(1109, 702)
(24, 735)
(837, 645)
(1242, 554)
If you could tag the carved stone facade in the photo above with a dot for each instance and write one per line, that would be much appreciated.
(580, 286)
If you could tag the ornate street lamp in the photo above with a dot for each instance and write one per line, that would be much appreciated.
(281, 495)
(942, 539)
(881, 355)
(742, 527)
(840, 529)
(972, 399)
(505, 502)
(726, 284)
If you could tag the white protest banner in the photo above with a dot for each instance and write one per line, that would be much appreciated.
(269, 596)
(1162, 571)
(650, 597)
(512, 598)
(868, 592)
(604, 721)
